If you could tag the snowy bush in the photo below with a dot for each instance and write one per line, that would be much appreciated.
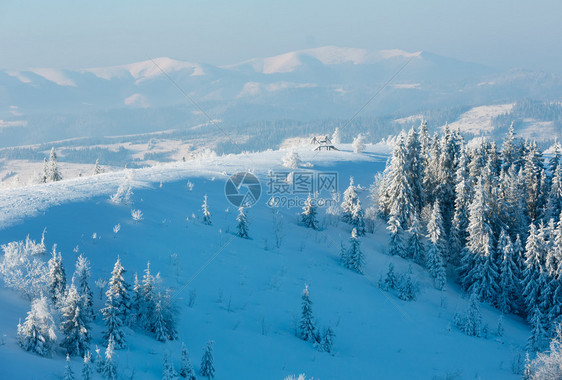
(291, 160)
(547, 365)
(137, 215)
(37, 333)
(358, 143)
(23, 269)
(124, 191)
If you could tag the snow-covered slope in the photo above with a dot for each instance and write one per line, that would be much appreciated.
(247, 292)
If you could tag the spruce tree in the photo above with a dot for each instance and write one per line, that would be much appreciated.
(207, 366)
(306, 325)
(463, 197)
(402, 205)
(350, 199)
(98, 169)
(396, 245)
(117, 307)
(37, 333)
(148, 304)
(473, 320)
(308, 215)
(533, 267)
(110, 364)
(538, 338)
(354, 257)
(169, 372)
(100, 362)
(74, 324)
(509, 276)
(415, 168)
(358, 219)
(87, 367)
(51, 171)
(435, 261)
(416, 249)
(206, 212)
(407, 291)
(242, 226)
(186, 369)
(57, 277)
(159, 325)
(68, 372)
(81, 277)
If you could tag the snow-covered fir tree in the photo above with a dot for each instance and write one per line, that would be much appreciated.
(81, 278)
(100, 362)
(57, 277)
(74, 324)
(186, 368)
(546, 365)
(51, 171)
(510, 276)
(307, 330)
(354, 259)
(435, 261)
(117, 307)
(416, 248)
(534, 256)
(110, 364)
(538, 338)
(396, 244)
(159, 324)
(87, 371)
(148, 301)
(242, 225)
(336, 136)
(98, 169)
(326, 340)
(207, 364)
(68, 372)
(407, 289)
(415, 168)
(350, 199)
(168, 370)
(471, 322)
(399, 191)
(358, 219)
(390, 281)
(308, 215)
(463, 197)
(38, 332)
(206, 212)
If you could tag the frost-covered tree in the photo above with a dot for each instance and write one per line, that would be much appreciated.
(509, 276)
(87, 371)
(57, 277)
(416, 248)
(292, 160)
(554, 201)
(137, 302)
(68, 372)
(147, 302)
(186, 368)
(307, 330)
(308, 215)
(471, 322)
(358, 143)
(396, 244)
(168, 371)
(37, 333)
(510, 153)
(74, 325)
(23, 269)
(435, 261)
(98, 169)
(354, 257)
(81, 278)
(100, 362)
(350, 199)
(159, 325)
(207, 365)
(242, 226)
(533, 169)
(336, 136)
(326, 340)
(206, 212)
(407, 289)
(358, 219)
(538, 338)
(117, 306)
(463, 197)
(534, 256)
(391, 281)
(547, 364)
(402, 203)
(110, 364)
(51, 171)
(415, 168)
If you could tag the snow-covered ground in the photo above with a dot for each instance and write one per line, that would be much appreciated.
(246, 293)
(478, 120)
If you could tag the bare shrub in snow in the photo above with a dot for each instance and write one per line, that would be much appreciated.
(124, 191)
(137, 215)
(291, 160)
(547, 365)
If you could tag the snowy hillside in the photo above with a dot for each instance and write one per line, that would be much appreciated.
(245, 294)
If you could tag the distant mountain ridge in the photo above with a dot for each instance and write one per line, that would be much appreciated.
(322, 83)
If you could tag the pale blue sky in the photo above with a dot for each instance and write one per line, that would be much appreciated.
(74, 33)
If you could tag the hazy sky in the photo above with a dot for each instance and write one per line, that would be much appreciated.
(74, 33)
